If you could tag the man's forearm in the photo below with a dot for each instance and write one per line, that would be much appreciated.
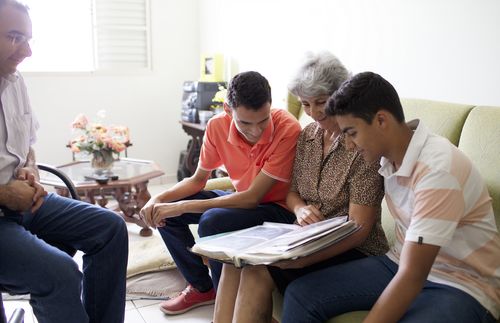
(395, 300)
(31, 163)
(238, 200)
(179, 191)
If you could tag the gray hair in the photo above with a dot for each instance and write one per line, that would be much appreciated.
(16, 4)
(320, 74)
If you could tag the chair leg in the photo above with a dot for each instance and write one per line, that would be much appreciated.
(3, 319)
(17, 316)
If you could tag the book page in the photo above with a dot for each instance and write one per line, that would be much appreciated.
(271, 242)
(238, 241)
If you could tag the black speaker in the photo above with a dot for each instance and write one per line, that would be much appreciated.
(197, 96)
(182, 171)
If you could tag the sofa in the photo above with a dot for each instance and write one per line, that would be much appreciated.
(473, 129)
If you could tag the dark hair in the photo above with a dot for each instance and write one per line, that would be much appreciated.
(248, 89)
(363, 96)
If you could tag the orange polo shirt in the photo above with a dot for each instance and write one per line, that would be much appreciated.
(273, 154)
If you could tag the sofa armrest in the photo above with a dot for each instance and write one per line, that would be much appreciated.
(221, 183)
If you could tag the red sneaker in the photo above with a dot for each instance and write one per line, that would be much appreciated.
(188, 299)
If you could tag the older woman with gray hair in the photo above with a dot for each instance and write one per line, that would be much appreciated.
(328, 180)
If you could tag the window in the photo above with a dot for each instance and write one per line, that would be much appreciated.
(89, 35)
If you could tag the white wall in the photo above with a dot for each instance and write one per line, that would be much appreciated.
(149, 103)
(436, 49)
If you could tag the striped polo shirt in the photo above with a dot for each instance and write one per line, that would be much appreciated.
(438, 197)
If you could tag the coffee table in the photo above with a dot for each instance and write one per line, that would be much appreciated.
(130, 190)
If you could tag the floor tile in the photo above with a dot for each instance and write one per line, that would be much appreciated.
(146, 302)
(133, 316)
(129, 305)
(201, 314)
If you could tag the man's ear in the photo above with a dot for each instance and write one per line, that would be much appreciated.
(227, 109)
(381, 118)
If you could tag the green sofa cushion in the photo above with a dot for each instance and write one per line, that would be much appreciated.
(442, 118)
(480, 141)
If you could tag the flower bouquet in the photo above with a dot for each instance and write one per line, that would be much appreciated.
(219, 99)
(101, 141)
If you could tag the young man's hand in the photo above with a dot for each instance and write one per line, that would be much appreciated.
(146, 213)
(161, 211)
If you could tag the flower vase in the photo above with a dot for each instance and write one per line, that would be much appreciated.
(102, 161)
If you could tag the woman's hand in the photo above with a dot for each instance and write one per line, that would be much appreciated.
(308, 214)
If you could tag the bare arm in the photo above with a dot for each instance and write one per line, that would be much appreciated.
(29, 167)
(414, 267)
(187, 187)
(364, 215)
(247, 200)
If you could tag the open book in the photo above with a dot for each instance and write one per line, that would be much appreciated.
(271, 242)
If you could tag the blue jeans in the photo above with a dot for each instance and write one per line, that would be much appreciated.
(356, 286)
(179, 238)
(28, 264)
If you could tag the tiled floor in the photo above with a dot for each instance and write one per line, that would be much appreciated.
(137, 310)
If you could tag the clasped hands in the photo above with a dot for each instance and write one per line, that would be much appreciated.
(25, 192)
(154, 213)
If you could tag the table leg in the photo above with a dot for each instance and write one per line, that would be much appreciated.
(130, 204)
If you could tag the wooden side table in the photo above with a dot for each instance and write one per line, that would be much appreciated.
(196, 131)
(130, 189)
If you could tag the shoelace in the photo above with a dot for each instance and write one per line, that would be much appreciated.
(188, 290)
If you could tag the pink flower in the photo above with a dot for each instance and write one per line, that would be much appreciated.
(80, 122)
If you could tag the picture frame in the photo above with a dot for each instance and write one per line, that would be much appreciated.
(212, 68)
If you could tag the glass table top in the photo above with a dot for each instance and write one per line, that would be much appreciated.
(127, 170)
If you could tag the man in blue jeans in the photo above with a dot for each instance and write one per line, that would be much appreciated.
(256, 144)
(31, 220)
(444, 265)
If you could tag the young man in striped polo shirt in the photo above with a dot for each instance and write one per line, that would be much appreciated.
(445, 264)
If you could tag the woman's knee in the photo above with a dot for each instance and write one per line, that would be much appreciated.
(256, 277)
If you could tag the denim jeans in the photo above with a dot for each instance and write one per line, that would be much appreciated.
(356, 286)
(28, 264)
(178, 237)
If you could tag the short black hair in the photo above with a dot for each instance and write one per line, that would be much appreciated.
(363, 96)
(248, 89)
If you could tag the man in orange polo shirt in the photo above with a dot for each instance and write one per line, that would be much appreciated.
(256, 144)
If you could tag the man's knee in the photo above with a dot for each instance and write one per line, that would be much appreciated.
(62, 273)
(214, 221)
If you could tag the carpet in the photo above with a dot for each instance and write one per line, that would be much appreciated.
(151, 270)
(147, 254)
